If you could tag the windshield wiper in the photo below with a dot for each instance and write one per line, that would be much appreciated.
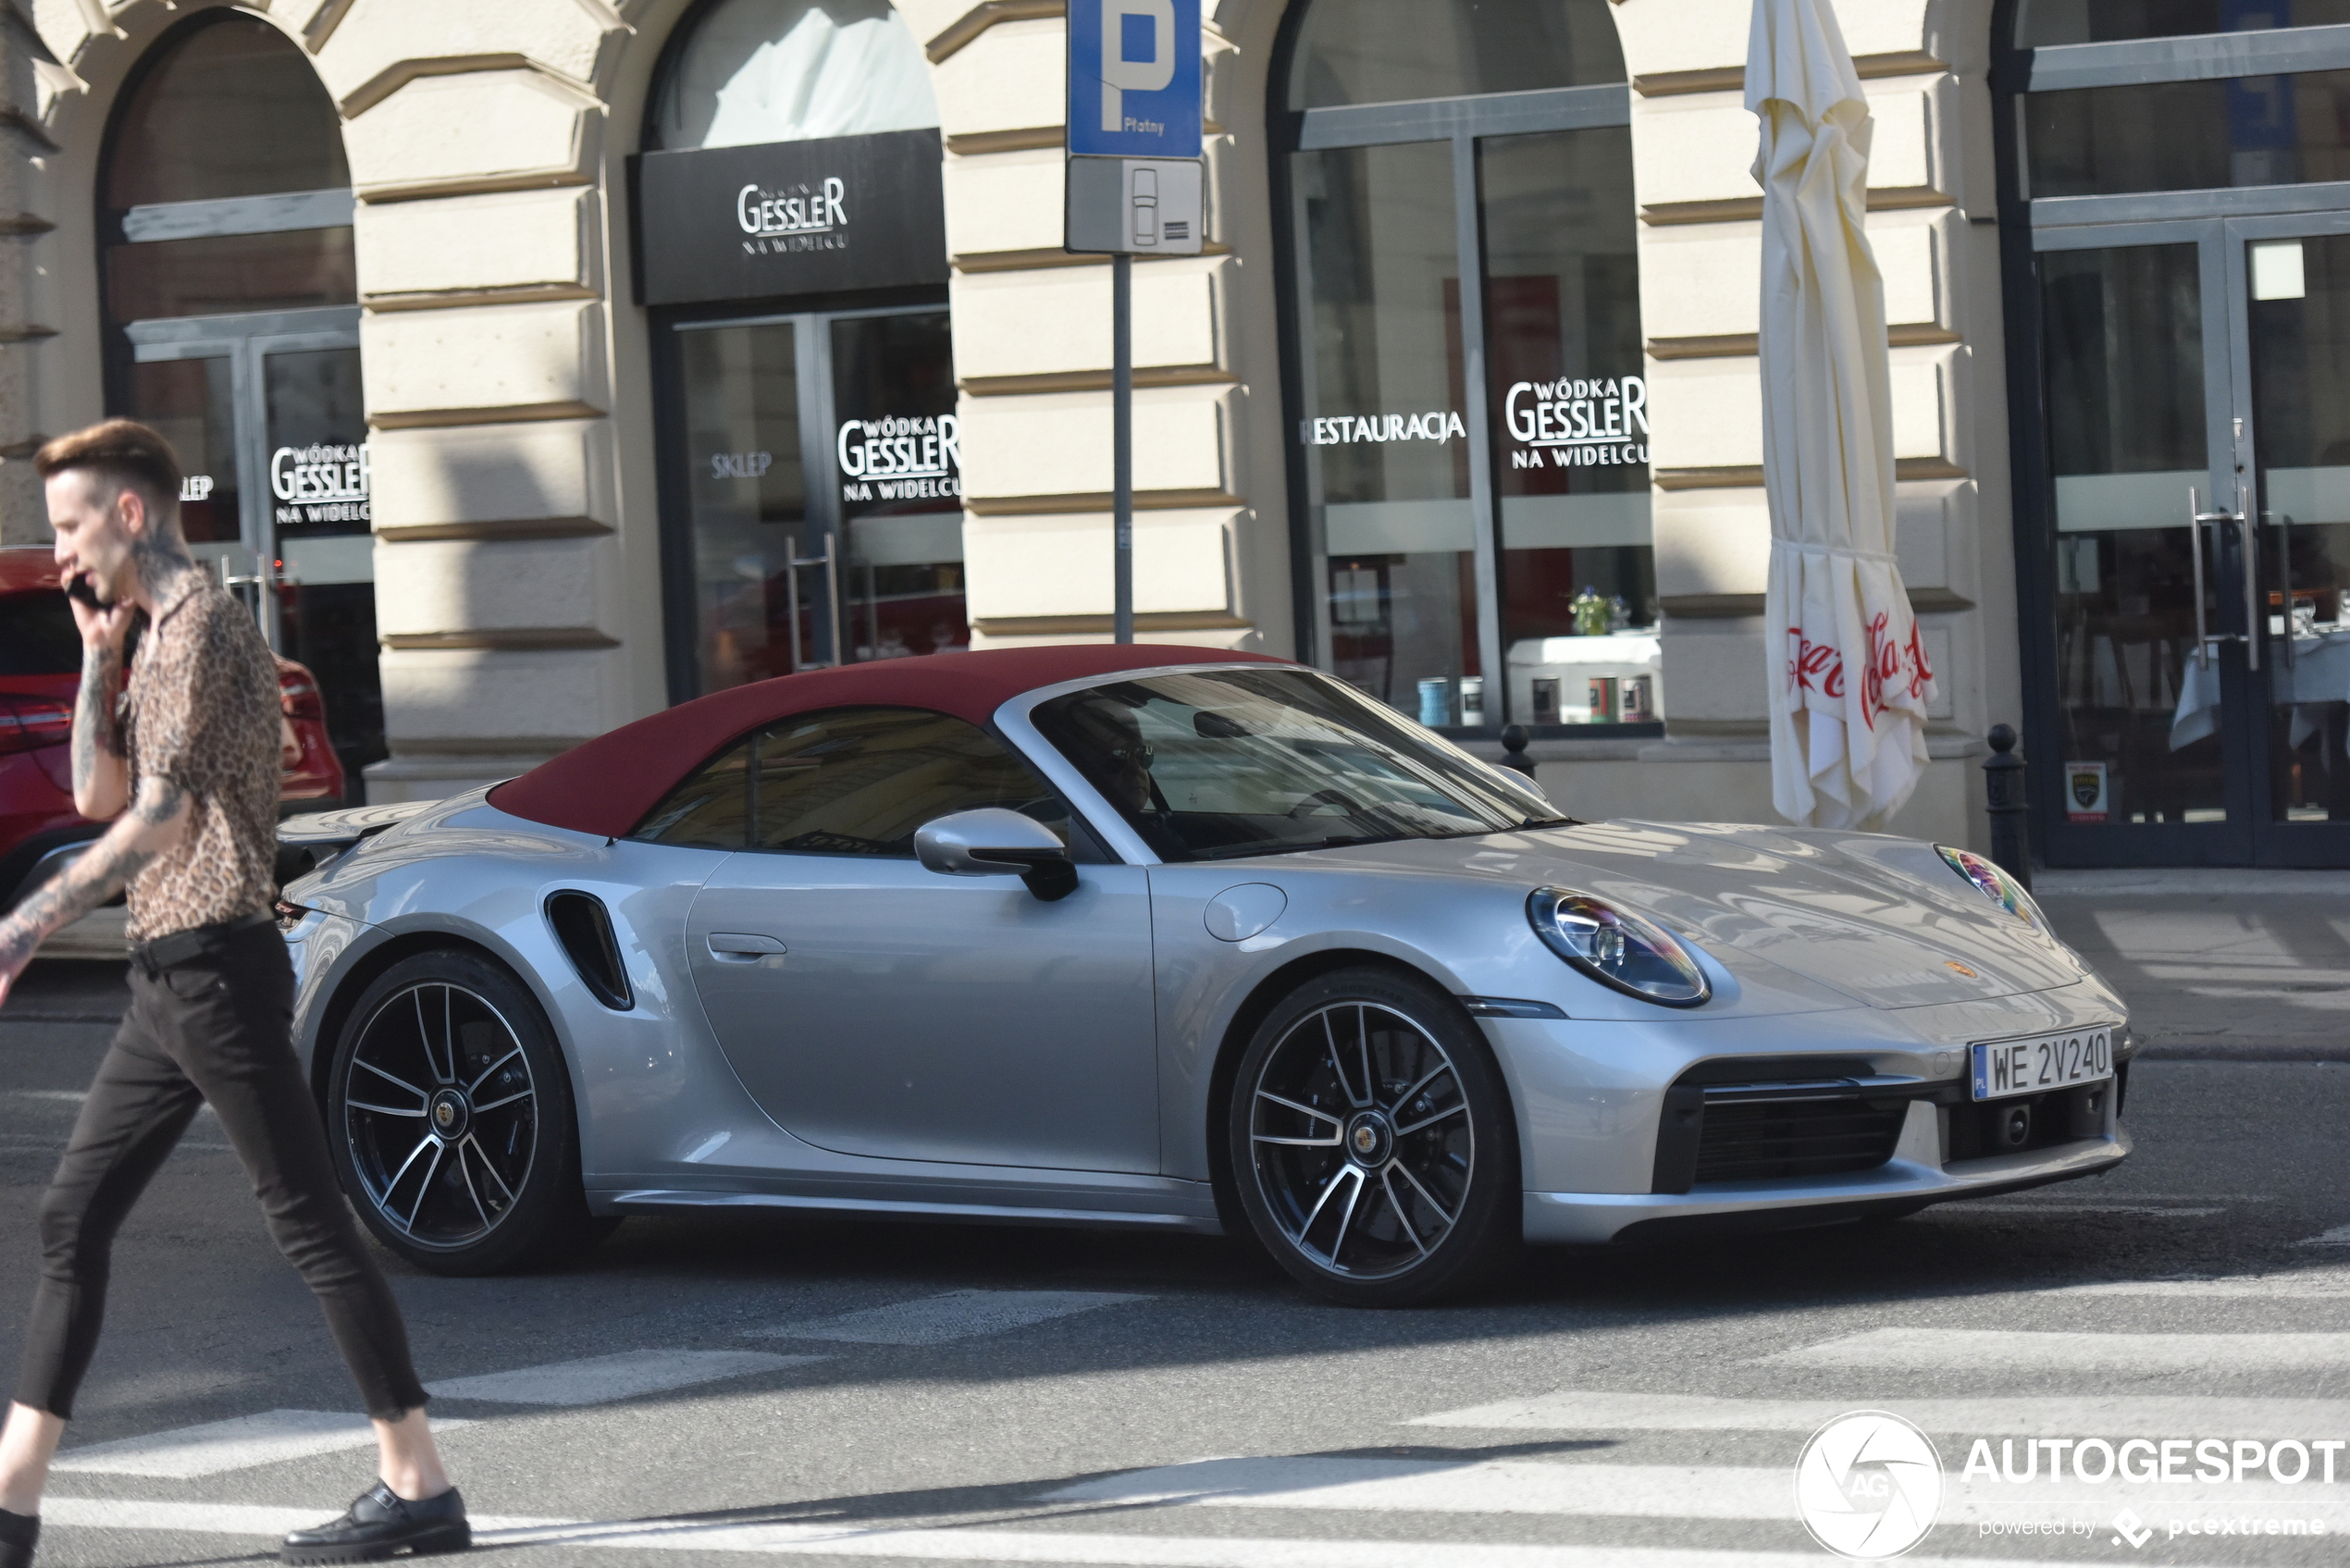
(1285, 845)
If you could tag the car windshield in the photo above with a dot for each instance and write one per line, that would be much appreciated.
(1222, 763)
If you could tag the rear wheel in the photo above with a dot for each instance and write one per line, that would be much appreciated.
(1372, 1142)
(449, 1115)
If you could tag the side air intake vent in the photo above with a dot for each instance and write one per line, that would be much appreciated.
(585, 929)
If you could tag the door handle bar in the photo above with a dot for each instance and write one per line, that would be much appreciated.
(2252, 623)
(2196, 516)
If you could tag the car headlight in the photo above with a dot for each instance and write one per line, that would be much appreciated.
(1995, 885)
(1617, 948)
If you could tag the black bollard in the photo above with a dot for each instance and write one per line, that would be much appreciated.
(1513, 757)
(2003, 798)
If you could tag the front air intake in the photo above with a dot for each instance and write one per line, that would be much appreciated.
(583, 928)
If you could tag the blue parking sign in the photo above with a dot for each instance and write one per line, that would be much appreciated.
(1133, 79)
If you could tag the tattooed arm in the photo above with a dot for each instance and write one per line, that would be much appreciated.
(101, 770)
(155, 824)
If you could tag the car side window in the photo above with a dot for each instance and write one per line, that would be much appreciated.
(859, 781)
(709, 811)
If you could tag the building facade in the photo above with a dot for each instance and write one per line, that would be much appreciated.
(540, 363)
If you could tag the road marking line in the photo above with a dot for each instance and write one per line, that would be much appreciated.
(75, 1096)
(2316, 1284)
(1598, 1490)
(969, 1545)
(2110, 1417)
(1977, 1349)
(2337, 1237)
(207, 1450)
(957, 1315)
(600, 1379)
(1948, 1210)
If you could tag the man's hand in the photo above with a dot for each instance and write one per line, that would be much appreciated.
(102, 626)
(101, 772)
(156, 823)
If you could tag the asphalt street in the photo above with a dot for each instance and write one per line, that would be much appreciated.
(747, 1389)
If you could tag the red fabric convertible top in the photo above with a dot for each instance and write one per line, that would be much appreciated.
(607, 784)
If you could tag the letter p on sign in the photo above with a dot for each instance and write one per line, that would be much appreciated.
(1133, 79)
(1135, 59)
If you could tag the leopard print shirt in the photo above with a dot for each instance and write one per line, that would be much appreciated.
(202, 710)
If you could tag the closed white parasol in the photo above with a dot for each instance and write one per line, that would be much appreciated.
(1849, 681)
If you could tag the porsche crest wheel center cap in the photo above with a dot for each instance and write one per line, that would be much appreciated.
(1370, 1140)
(450, 1114)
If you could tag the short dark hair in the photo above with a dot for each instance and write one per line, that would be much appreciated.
(123, 452)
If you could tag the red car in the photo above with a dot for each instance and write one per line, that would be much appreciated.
(41, 675)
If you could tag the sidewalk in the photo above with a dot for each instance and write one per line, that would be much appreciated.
(2244, 965)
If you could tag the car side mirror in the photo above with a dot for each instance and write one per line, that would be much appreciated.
(992, 842)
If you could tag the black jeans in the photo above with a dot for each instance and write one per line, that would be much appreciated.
(216, 1030)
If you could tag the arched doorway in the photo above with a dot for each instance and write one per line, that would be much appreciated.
(231, 312)
(791, 231)
(2177, 231)
(1469, 472)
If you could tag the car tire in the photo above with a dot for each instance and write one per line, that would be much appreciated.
(1372, 1143)
(449, 1113)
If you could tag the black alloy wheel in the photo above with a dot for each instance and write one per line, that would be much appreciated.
(448, 1112)
(1372, 1142)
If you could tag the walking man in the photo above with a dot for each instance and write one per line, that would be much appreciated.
(186, 766)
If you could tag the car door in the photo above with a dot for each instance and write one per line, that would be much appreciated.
(874, 1008)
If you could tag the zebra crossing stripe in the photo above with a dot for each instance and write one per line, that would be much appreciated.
(961, 1544)
(2111, 1415)
(1971, 1350)
(188, 1452)
(1598, 1490)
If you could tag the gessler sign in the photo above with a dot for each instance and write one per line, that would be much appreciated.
(789, 217)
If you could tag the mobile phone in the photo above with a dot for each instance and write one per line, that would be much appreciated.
(77, 587)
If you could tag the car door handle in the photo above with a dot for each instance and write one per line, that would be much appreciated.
(734, 946)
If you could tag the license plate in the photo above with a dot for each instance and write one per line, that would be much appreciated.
(2038, 1063)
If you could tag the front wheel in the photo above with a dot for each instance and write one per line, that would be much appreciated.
(449, 1115)
(1372, 1142)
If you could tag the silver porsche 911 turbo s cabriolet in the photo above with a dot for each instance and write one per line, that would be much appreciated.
(1167, 938)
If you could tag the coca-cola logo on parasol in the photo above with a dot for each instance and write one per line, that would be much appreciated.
(1893, 665)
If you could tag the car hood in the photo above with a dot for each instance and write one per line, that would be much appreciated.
(1883, 921)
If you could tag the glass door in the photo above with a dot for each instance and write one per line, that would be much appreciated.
(2290, 282)
(2138, 446)
(814, 482)
(266, 413)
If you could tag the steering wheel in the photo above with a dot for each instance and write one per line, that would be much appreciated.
(1327, 798)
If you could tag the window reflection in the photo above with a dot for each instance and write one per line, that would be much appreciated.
(1569, 399)
(2188, 135)
(232, 109)
(2039, 23)
(1386, 445)
(1390, 51)
(756, 71)
(2138, 712)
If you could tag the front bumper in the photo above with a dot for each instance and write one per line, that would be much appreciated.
(1911, 1179)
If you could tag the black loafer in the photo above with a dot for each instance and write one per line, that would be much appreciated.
(20, 1533)
(382, 1524)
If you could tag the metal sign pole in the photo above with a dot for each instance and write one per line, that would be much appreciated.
(1122, 393)
(1131, 181)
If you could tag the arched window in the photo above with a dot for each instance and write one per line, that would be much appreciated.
(231, 115)
(1472, 469)
(754, 71)
(231, 292)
